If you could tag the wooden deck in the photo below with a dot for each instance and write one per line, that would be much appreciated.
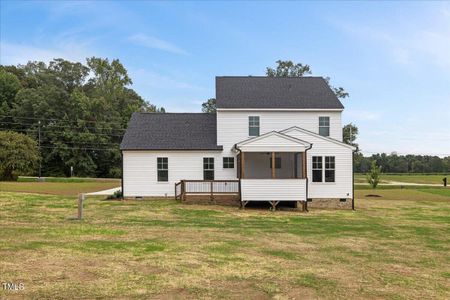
(223, 192)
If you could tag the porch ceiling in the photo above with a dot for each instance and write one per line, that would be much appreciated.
(273, 142)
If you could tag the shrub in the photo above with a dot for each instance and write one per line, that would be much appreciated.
(373, 178)
(19, 154)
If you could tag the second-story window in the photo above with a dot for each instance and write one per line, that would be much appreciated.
(324, 126)
(253, 125)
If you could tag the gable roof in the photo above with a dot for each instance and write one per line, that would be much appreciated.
(326, 138)
(275, 92)
(273, 141)
(273, 133)
(171, 131)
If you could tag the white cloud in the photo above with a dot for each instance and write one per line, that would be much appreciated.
(363, 115)
(13, 54)
(154, 80)
(407, 45)
(155, 43)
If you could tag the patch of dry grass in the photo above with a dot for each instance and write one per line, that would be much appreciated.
(410, 178)
(58, 188)
(391, 247)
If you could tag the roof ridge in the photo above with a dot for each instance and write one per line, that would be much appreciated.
(261, 76)
(173, 113)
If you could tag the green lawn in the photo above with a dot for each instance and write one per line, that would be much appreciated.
(410, 178)
(396, 246)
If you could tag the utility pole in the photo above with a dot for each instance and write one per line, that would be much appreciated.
(39, 142)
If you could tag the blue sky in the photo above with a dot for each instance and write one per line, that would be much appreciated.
(392, 57)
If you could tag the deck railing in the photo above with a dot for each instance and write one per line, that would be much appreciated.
(206, 187)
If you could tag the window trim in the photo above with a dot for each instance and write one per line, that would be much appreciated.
(226, 164)
(325, 169)
(162, 169)
(207, 162)
(315, 169)
(325, 126)
(254, 126)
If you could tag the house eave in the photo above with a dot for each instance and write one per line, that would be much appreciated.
(281, 109)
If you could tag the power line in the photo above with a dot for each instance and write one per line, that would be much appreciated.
(62, 126)
(81, 148)
(74, 133)
(52, 119)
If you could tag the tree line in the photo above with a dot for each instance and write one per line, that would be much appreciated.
(393, 163)
(80, 110)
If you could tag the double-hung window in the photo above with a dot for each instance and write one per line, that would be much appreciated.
(228, 162)
(324, 126)
(163, 169)
(317, 168)
(323, 169)
(253, 125)
(329, 169)
(208, 168)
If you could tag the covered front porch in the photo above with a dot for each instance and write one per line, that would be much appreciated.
(272, 168)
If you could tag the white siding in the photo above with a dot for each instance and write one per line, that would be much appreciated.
(273, 189)
(232, 126)
(140, 170)
(343, 185)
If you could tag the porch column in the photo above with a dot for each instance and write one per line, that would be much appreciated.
(242, 165)
(273, 165)
(304, 164)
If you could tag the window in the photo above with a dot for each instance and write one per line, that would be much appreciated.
(253, 126)
(163, 169)
(317, 168)
(208, 168)
(324, 126)
(329, 169)
(228, 162)
(277, 162)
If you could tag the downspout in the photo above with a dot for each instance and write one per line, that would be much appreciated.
(121, 181)
(306, 175)
(353, 181)
(240, 173)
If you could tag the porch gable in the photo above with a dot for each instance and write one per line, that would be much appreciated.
(273, 142)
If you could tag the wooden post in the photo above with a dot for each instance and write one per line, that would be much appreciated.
(273, 165)
(303, 165)
(242, 165)
(182, 190)
(212, 194)
(80, 206)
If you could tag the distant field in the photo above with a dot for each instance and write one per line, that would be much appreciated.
(67, 179)
(393, 247)
(410, 178)
(63, 187)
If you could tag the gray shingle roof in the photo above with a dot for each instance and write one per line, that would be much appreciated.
(171, 131)
(275, 92)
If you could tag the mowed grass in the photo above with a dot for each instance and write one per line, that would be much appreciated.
(58, 187)
(393, 247)
(409, 178)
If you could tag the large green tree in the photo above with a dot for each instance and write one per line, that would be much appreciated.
(18, 155)
(209, 106)
(350, 132)
(82, 111)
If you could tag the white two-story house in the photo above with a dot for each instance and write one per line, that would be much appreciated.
(272, 139)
